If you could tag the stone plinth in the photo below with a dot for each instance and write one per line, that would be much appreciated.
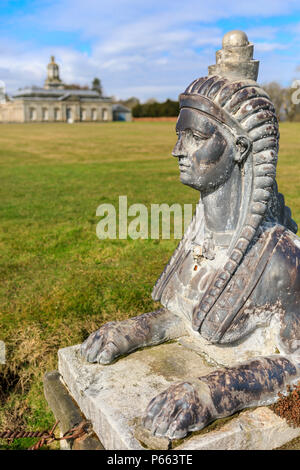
(114, 398)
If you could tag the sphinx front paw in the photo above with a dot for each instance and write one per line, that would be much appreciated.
(177, 411)
(103, 346)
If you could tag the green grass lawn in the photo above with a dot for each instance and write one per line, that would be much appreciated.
(58, 280)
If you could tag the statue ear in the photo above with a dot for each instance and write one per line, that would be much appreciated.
(243, 147)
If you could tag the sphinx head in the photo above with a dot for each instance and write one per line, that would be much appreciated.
(207, 150)
(225, 119)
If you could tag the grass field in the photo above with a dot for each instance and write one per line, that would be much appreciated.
(58, 280)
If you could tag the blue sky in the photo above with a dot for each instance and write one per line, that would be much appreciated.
(143, 48)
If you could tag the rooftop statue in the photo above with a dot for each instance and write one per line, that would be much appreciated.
(233, 282)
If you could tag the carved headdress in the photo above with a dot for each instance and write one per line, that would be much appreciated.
(231, 95)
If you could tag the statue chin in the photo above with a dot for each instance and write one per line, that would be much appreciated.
(186, 179)
(201, 186)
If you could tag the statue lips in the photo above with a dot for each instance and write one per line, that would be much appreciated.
(184, 164)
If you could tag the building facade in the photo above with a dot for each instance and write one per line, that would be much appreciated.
(121, 113)
(56, 103)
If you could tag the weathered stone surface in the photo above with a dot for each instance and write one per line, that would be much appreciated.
(235, 59)
(114, 398)
(261, 342)
(67, 413)
(258, 429)
(59, 400)
(146, 438)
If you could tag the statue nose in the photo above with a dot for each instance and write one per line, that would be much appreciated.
(178, 149)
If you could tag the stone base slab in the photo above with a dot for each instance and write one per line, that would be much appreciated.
(114, 398)
(68, 414)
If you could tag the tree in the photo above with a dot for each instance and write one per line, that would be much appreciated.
(131, 102)
(151, 101)
(291, 108)
(169, 108)
(96, 85)
(277, 96)
(154, 109)
(75, 86)
(281, 97)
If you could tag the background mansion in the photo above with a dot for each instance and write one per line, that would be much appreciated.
(58, 102)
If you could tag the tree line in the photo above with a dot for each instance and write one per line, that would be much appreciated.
(153, 108)
(284, 100)
(286, 109)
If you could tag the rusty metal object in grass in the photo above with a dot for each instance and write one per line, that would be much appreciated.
(46, 437)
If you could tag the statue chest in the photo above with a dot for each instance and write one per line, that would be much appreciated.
(189, 282)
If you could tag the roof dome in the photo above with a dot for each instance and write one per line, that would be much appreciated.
(53, 80)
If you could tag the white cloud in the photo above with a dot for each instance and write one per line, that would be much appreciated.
(270, 46)
(139, 48)
(95, 18)
(263, 32)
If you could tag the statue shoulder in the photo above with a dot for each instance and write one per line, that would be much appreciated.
(283, 269)
(288, 248)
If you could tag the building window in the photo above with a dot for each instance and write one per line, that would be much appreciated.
(32, 114)
(45, 115)
(56, 114)
(94, 114)
(69, 115)
(104, 114)
(82, 114)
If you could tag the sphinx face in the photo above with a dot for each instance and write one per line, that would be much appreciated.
(205, 150)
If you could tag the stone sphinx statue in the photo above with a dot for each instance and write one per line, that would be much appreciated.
(233, 282)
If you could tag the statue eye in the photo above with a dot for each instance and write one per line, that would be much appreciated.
(198, 136)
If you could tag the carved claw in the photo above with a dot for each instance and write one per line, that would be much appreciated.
(176, 411)
(117, 338)
(103, 346)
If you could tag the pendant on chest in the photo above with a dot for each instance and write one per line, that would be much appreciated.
(206, 250)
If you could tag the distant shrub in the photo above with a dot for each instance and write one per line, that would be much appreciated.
(154, 109)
